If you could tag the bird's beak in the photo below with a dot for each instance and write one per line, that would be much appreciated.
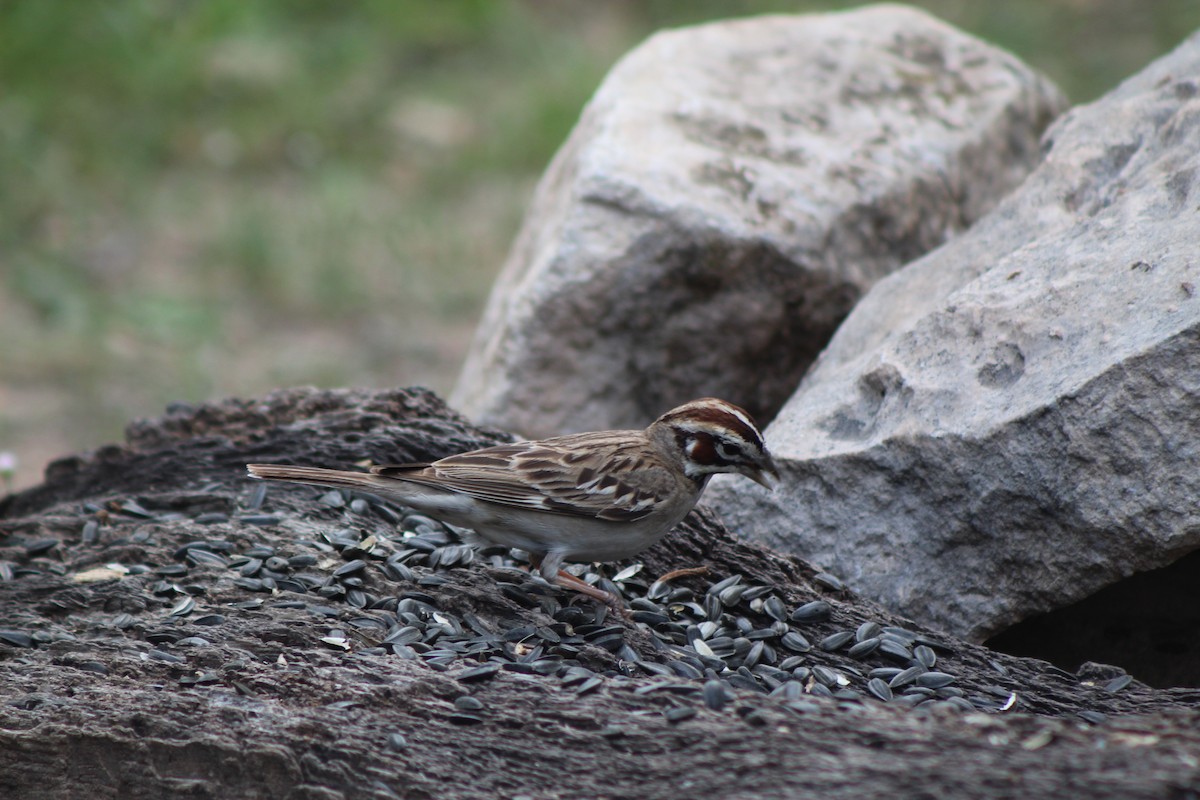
(767, 475)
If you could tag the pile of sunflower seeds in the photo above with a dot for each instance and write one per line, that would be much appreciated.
(731, 636)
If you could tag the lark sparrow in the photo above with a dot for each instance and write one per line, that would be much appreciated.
(599, 496)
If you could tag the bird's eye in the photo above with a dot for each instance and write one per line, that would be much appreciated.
(729, 451)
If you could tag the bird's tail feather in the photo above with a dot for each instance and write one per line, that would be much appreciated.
(312, 475)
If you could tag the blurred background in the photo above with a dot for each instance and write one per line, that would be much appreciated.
(203, 198)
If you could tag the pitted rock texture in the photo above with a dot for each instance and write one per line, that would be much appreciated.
(117, 693)
(1013, 422)
(728, 194)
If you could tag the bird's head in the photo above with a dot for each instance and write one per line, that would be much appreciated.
(714, 436)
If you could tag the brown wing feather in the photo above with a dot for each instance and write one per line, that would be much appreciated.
(535, 475)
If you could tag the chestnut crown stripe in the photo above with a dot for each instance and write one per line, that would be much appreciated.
(699, 416)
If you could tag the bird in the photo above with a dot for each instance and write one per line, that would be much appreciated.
(595, 496)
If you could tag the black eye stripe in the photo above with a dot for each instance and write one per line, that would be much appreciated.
(706, 449)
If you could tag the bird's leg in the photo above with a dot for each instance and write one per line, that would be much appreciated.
(550, 565)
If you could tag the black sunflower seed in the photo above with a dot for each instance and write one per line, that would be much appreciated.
(925, 656)
(1118, 683)
(183, 607)
(761, 634)
(721, 585)
(259, 519)
(795, 641)
(775, 609)
(546, 666)
(790, 663)
(934, 680)
(905, 677)
(332, 499)
(879, 688)
(649, 617)
(403, 635)
(716, 694)
(893, 650)
(791, 690)
(193, 641)
(131, 508)
(825, 676)
(39, 546)
(831, 582)
(278, 564)
(468, 703)
(863, 648)
(685, 670)
(463, 718)
(836, 641)
(679, 714)
(16, 638)
(349, 568)
(730, 596)
(868, 630)
(383, 510)
(721, 646)
(712, 607)
(92, 666)
(590, 685)
(753, 655)
(816, 611)
(962, 704)
(397, 571)
(574, 676)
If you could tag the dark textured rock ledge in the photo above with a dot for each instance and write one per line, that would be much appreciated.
(264, 705)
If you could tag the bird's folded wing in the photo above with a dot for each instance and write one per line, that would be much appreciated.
(611, 485)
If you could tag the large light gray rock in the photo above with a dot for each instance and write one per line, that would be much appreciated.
(728, 194)
(1013, 422)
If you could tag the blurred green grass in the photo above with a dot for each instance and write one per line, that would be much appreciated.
(221, 197)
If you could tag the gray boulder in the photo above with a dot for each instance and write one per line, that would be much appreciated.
(1013, 421)
(727, 196)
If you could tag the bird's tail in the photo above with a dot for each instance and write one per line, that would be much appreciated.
(312, 475)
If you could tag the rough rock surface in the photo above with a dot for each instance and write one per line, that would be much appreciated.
(1013, 421)
(114, 692)
(728, 194)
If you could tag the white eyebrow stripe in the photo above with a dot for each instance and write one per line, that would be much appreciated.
(743, 417)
